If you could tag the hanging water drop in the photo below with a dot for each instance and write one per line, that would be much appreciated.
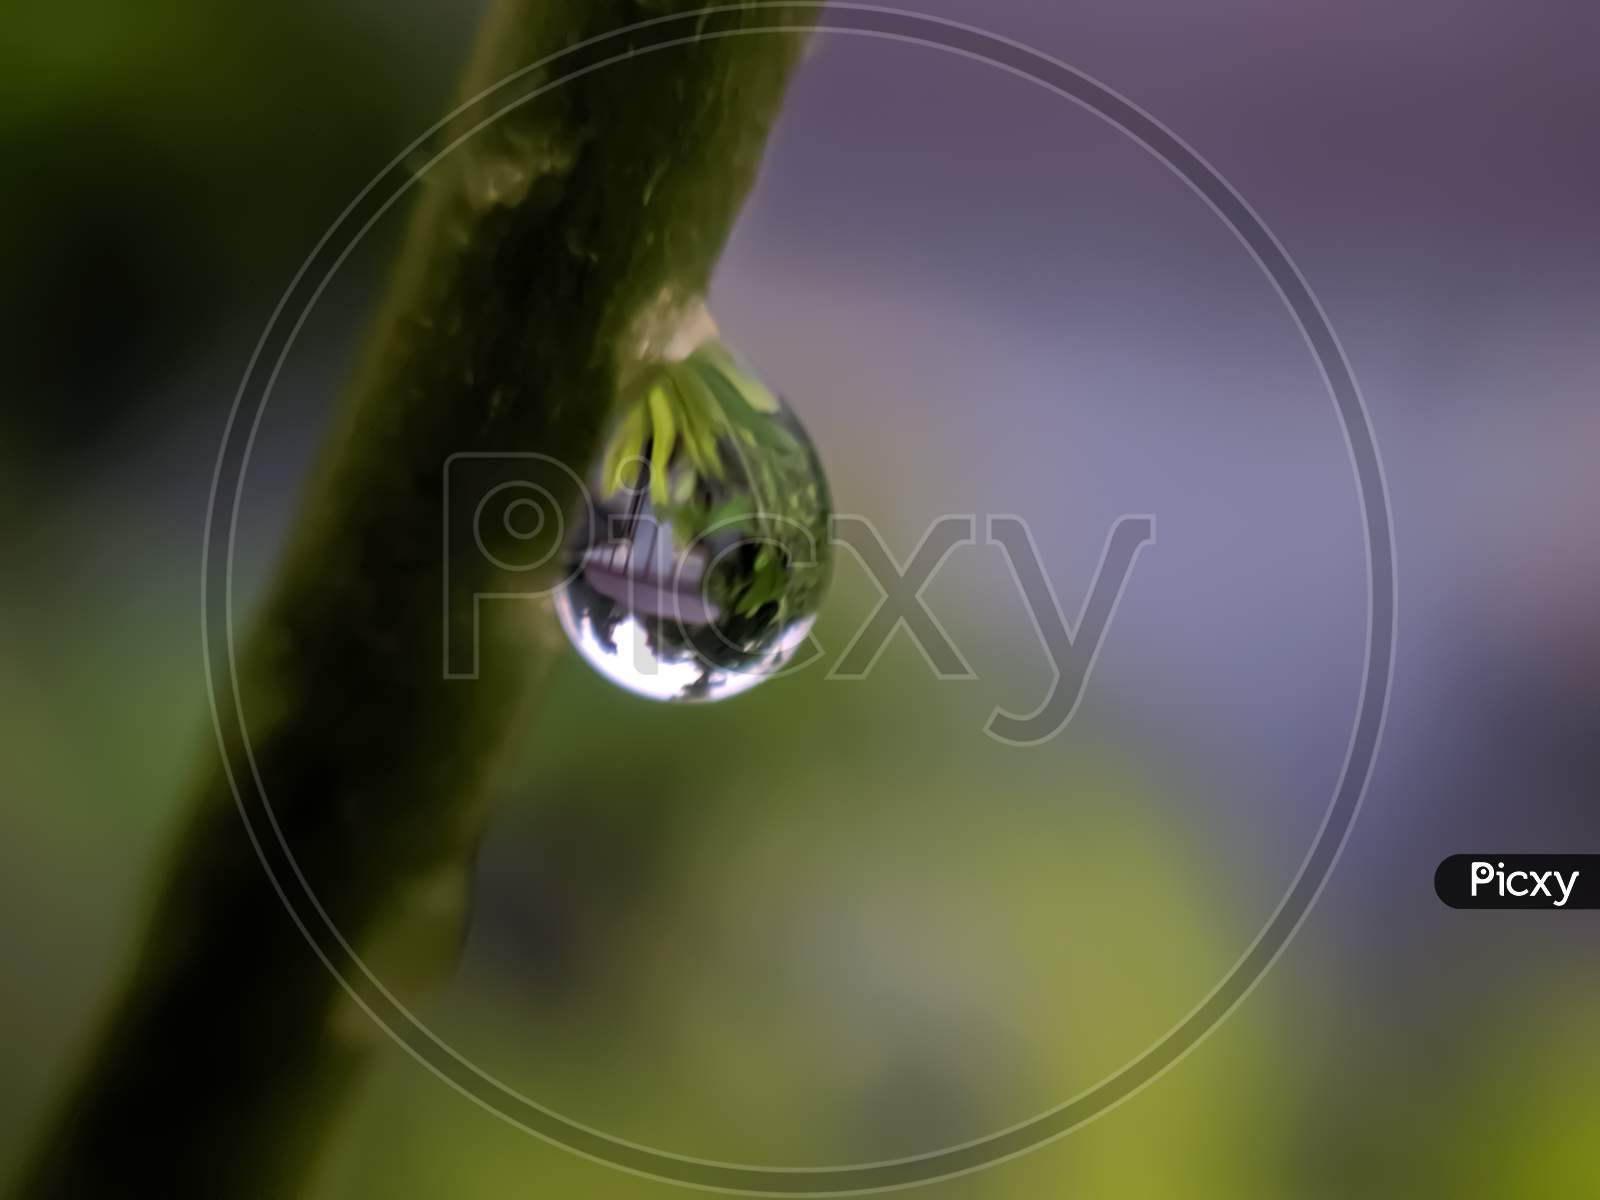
(703, 556)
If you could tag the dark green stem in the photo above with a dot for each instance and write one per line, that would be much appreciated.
(545, 255)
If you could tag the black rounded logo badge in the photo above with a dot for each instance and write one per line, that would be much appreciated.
(1519, 881)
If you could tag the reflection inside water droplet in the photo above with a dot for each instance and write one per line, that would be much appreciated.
(704, 555)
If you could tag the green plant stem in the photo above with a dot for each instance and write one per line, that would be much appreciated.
(543, 256)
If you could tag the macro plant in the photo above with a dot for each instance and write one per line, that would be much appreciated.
(587, 185)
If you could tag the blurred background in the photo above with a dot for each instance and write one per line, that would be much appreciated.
(873, 931)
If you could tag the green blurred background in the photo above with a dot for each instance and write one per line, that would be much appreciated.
(870, 931)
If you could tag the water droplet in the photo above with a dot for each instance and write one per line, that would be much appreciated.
(704, 555)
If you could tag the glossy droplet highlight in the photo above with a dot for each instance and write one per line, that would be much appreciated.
(704, 555)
